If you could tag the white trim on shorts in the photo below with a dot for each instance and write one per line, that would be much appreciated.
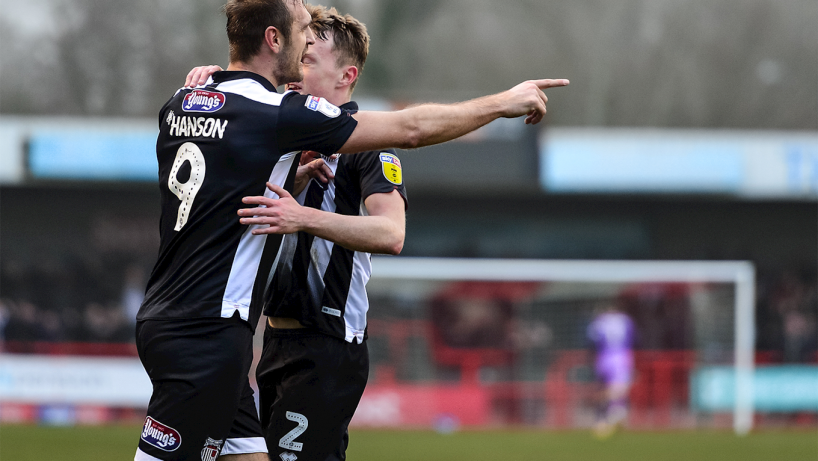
(244, 445)
(142, 456)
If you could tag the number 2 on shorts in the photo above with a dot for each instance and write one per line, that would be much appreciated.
(287, 440)
(188, 152)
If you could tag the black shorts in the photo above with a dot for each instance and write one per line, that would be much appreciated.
(202, 402)
(309, 387)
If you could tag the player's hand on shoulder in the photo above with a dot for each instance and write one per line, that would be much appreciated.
(528, 99)
(198, 75)
(283, 215)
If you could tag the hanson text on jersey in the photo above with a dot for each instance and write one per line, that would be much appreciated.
(188, 127)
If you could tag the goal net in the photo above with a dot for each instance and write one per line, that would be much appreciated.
(488, 342)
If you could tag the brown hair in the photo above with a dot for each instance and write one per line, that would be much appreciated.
(248, 19)
(351, 39)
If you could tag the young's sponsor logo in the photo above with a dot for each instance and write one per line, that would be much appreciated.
(203, 101)
(195, 127)
(391, 168)
(160, 436)
(211, 449)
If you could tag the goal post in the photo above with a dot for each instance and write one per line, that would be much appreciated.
(739, 273)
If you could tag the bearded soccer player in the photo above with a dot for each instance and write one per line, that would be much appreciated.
(221, 142)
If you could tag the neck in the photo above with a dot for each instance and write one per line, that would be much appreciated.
(257, 66)
(340, 96)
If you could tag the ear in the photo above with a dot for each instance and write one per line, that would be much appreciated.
(273, 39)
(348, 76)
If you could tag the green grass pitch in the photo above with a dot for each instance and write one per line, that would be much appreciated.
(29, 443)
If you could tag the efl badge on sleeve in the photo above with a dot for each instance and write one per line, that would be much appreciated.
(323, 106)
(312, 103)
(391, 168)
(211, 449)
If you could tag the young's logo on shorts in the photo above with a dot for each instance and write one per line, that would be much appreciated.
(211, 449)
(203, 101)
(160, 436)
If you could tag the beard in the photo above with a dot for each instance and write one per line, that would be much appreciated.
(289, 66)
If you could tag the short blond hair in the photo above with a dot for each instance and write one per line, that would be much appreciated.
(351, 40)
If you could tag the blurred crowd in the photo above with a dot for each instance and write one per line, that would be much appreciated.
(95, 300)
(88, 300)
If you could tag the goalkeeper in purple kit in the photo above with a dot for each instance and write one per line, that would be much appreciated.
(613, 335)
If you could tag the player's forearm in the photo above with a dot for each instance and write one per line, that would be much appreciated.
(371, 234)
(430, 124)
(422, 125)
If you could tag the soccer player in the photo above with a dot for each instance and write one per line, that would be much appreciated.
(314, 365)
(221, 142)
(613, 334)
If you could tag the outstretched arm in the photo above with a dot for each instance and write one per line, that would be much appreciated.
(429, 124)
(383, 231)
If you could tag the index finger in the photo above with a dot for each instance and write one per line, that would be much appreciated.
(551, 83)
(207, 71)
(278, 190)
(189, 79)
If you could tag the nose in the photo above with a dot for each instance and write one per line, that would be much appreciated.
(310, 36)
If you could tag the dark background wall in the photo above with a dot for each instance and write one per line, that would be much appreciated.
(50, 221)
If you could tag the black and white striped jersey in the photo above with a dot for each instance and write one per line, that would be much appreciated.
(217, 144)
(322, 284)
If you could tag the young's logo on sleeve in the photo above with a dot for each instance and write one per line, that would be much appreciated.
(323, 106)
(391, 168)
(203, 101)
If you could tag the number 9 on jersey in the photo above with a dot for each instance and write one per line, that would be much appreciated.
(188, 152)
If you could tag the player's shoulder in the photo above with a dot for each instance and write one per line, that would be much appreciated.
(248, 86)
(307, 103)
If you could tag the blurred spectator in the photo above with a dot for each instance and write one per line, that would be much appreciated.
(479, 314)
(787, 315)
(662, 311)
(105, 324)
(475, 323)
(23, 324)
